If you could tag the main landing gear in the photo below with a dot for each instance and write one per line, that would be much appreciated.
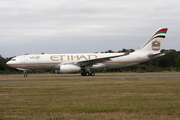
(86, 71)
(87, 74)
(25, 74)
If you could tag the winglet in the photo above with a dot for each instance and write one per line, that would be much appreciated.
(127, 53)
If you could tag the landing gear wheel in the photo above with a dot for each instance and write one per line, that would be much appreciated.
(87, 74)
(92, 74)
(82, 74)
(25, 75)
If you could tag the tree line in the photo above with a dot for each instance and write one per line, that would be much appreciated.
(168, 62)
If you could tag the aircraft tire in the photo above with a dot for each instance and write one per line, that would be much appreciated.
(82, 74)
(92, 74)
(25, 75)
(87, 74)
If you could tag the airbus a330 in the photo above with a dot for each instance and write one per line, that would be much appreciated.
(74, 63)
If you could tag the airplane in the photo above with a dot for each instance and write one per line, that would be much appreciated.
(74, 63)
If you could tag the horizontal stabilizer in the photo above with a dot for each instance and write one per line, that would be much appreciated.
(158, 54)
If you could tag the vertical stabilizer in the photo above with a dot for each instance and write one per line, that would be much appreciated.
(154, 44)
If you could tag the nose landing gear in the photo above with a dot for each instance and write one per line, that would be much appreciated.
(25, 74)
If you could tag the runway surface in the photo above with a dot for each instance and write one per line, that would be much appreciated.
(102, 76)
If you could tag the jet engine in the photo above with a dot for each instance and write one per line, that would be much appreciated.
(69, 69)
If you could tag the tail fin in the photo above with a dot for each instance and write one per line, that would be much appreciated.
(155, 42)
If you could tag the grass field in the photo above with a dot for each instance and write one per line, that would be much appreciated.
(107, 96)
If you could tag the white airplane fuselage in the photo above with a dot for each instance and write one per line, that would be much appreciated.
(53, 61)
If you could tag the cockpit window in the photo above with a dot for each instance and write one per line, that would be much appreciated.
(13, 59)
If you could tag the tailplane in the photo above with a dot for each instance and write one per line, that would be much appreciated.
(155, 42)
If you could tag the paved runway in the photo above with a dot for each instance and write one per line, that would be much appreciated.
(99, 76)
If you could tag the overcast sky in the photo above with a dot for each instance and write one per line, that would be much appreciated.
(84, 26)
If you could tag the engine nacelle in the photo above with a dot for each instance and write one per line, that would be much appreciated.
(69, 69)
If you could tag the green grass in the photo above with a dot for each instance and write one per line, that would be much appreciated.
(104, 96)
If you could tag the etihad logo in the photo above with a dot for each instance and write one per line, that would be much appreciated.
(72, 57)
(34, 57)
(156, 45)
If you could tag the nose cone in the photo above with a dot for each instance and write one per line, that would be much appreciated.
(7, 63)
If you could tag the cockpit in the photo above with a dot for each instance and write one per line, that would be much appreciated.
(13, 60)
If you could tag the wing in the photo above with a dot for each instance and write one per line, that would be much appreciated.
(98, 60)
